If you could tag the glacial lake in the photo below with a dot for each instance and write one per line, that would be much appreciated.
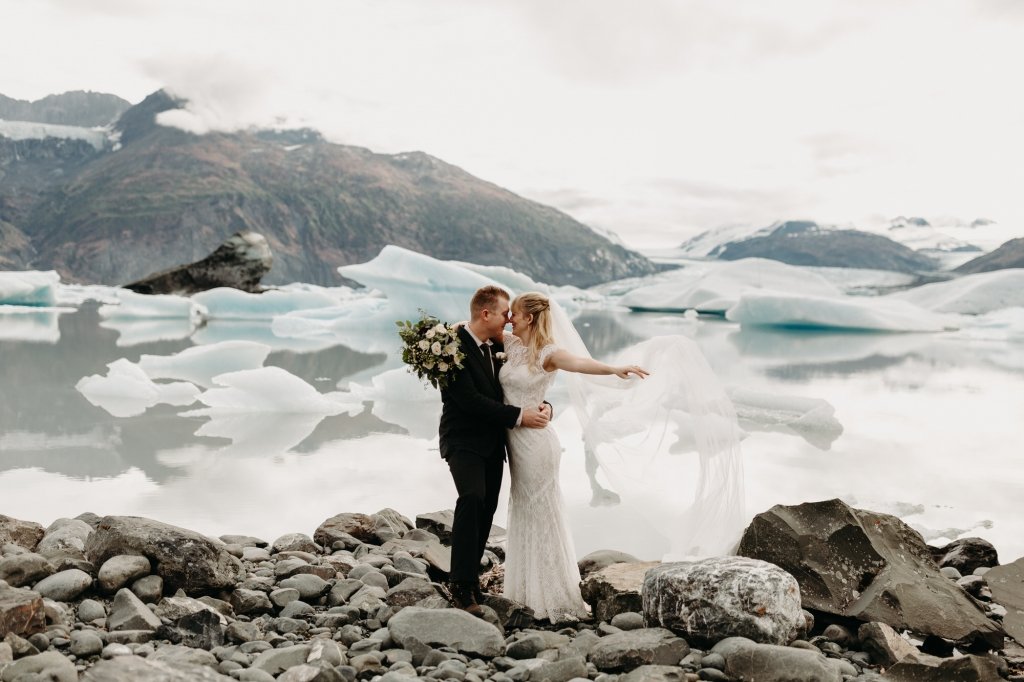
(932, 427)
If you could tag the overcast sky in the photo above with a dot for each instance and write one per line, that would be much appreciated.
(656, 119)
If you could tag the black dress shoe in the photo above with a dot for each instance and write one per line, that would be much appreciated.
(463, 598)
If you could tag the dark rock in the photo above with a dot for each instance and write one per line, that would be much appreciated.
(627, 650)
(183, 558)
(127, 612)
(21, 647)
(440, 524)
(410, 591)
(25, 534)
(616, 589)
(924, 668)
(712, 599)
(251, 601)
(603, 558)
(1007, 586)
(966, 554)
(868, 566)
(512, 615)
(202, 630)
(239, 263)
(1008, 255)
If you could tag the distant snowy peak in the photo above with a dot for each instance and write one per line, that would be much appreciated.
(921, 235)
(99, 138)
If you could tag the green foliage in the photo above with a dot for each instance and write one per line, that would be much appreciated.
(431, 348)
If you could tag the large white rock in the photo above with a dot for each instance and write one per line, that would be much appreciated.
(722, 597)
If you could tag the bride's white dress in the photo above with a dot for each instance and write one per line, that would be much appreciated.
(540, 564)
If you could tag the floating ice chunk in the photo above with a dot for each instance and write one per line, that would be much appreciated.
(200, 364)
(77, 294)
(24, 323)
(848, 312)
(506, 277)
(813, 419)
(152, 306)
(719, 288)
(133, 331)
(227, 303)
(399, 397)
(29, 287)
(267, 389)
(971, 294)
(126, 391)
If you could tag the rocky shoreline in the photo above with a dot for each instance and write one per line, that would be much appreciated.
(820, 592)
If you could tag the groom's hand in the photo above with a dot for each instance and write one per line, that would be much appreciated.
(534, 418)
(546, 409)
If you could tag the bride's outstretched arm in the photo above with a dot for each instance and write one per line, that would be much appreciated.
(566, 361)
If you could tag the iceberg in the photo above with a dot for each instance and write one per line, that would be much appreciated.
(29, 288)
(152, 306)
(719, 288)
(23, 323)
(200, 364)
(813, 419)
(267, 389)
(126, 391)
(971, 294)
(227, 303)
(794, 310)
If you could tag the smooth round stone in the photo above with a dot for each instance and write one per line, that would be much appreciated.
(630, 620)
(376, 579)
(359, 571)
(39, 641)
(283, 596)
(950, 572)
(149, 589)
(716, 661)
(86, 643)
(294, 542)
(90, 610)
(255, 554)
(118, 571)
(64, 586)
(309, 586)
(112, 650)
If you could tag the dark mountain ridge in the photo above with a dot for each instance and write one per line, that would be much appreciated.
(163, 197)
(1009, 255)
(75, 108)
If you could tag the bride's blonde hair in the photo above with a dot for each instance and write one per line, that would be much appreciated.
(536, 304)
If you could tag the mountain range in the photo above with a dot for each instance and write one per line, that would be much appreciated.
(156, 196)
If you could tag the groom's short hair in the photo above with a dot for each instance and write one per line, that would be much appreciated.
(486, 297)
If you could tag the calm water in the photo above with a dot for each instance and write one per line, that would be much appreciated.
(932, 427)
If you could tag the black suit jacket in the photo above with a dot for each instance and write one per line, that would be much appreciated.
(474, 417)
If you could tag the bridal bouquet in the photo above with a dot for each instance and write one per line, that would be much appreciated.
(431, 349)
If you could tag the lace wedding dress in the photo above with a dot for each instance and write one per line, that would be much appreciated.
(540, 562)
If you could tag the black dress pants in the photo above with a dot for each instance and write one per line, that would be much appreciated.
(478, 482)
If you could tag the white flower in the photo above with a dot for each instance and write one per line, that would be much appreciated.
(450, 349)
(430, 333)
(443, 366)
(440, 328)
(500, 356)
(436, 348)
(424, 344)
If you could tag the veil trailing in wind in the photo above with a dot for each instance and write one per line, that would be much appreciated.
(668, 444)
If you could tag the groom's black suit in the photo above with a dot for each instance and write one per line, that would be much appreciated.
(472, 440)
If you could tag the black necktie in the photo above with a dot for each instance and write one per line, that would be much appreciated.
(486, 348)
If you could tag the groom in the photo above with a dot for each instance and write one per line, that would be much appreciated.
(472, 439)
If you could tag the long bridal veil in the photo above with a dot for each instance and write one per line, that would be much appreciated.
(668, 444)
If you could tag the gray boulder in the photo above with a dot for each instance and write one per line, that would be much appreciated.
(64, 586)
(883, 644)
(424, 545)
(49, 666)
(250, 601)
(183, 558)
(446, 627)
(25, 534)
(440, 524)
(24, 569)
(388, 524)
(723, 597)
(1007, 585)
(65, 538)
(616, 589)
(239, 263)
(118, 571)
(603, 558)
(309, 586)
(21, 612)
(85, 643)
(626, 650)
(359, 526)
(294, 542)
(868, 566)
(134, 668)
(276, 661)
(410, 591)
(748, 661)
(128, 612)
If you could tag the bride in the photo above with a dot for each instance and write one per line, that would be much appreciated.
(540, 566)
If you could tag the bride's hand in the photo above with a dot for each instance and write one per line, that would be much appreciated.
(624, 371)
